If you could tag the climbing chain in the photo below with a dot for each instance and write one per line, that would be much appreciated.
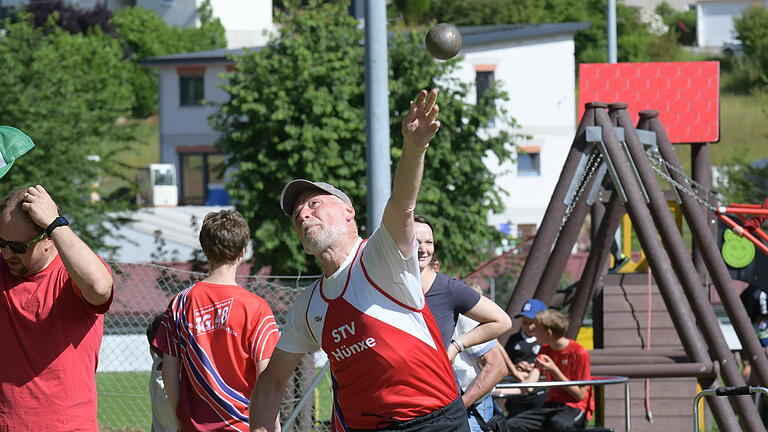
(658, 160)
(593, 163)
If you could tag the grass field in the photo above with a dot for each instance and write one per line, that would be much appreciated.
(743, 130)
(124, 404)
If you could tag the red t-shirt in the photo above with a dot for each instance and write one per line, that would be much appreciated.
(219, 333)
(51, 337)
(574, 363)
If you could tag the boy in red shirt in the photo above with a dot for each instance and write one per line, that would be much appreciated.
(215, 336)
(561, 359)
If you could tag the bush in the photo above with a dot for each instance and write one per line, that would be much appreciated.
(752, 29)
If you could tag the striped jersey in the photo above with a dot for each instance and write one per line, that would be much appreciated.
(219, 333)
(388, 362)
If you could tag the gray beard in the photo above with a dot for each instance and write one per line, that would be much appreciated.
(321, 239)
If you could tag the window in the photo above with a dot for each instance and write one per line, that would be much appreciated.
(201, 180)
(483, 81)
(528, 162)
(191, 90)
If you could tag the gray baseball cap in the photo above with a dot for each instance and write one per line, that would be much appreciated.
(294, 188)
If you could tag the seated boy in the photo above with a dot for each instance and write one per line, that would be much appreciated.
(561, 359)
(215, 336)
(521, 349)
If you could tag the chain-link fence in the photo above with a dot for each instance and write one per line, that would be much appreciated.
(143, 291)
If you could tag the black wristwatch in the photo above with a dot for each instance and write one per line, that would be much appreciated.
(59, 221)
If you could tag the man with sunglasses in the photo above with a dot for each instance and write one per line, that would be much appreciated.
(55, 291)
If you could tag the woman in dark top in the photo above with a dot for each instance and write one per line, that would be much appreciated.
(448, 297)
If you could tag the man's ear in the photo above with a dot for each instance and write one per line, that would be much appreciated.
(48, 244)
(349, 212)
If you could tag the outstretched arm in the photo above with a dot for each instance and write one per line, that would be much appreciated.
(419, 127)
(268, 393)
(83, 266)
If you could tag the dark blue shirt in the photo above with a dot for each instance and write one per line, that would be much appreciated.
(446, 299)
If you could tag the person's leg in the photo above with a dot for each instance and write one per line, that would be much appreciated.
(485, 408)
(531, 420)
(567, 419)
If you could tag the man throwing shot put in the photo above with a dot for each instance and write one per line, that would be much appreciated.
(367, 312)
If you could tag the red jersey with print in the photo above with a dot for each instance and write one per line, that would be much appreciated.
(574, 363)
(51, 337)
(387, 359)
(219, 333)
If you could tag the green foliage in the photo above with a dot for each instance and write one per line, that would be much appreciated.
(636, 42)
(66, 91)
(413, 11)
(682, 24)
(142, 33)
(747, 182)
(297, 111)
(752, 28)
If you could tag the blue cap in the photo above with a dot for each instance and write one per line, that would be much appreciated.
(531, 308)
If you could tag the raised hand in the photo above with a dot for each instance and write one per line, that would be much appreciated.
(40, 206)
(421, 124)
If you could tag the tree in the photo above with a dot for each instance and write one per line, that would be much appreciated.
(297, 111)
(746, 183)
(752, 28)
(635, 41)
(67, 92)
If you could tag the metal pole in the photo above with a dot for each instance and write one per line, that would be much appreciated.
(627, 407)
(612, 50)
(699, 226)
(683, 267)
(669, 286)
(310, 391)
(376, 112)
(550, 224)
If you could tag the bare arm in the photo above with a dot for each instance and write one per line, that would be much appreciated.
(268, 393)
(419, 126)
(83, 266)
(170, 371)
(546, 363)
(493, 370)
(493, 322)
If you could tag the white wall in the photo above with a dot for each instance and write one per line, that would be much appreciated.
(539, 76)
(124, 353)
(715, 21)
(187, 125)
(244, 21)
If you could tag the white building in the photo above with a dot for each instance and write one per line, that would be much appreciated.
(714, 20)
(535, 63)
(245, 22)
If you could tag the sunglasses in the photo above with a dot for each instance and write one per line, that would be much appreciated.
(20, 248)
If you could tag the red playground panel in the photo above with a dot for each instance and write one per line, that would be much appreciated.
(686, 94)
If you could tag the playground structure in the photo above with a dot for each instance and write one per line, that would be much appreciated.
(625, 161)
